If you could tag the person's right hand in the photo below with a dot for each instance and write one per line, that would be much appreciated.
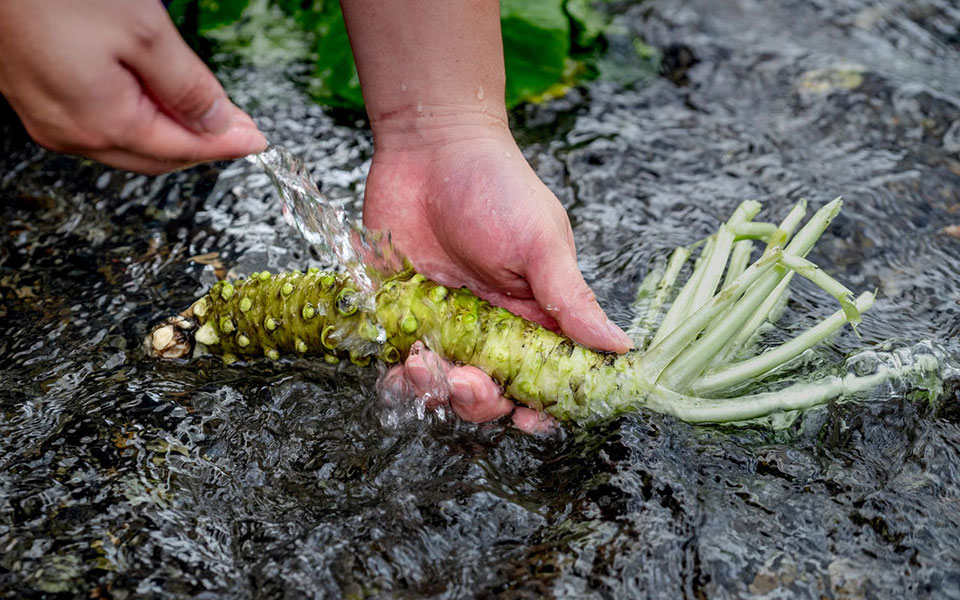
(461, 202)
(114, 81)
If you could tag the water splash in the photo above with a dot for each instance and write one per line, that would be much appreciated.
(366, 256)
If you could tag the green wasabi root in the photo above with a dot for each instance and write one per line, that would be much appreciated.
(323, 315)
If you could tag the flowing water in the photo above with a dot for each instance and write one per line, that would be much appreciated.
(337, 239)
(125, 477)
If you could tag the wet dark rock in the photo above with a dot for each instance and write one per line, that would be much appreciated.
(677, 59)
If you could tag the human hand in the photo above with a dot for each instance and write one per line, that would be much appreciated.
(463, 204)
(114, 81)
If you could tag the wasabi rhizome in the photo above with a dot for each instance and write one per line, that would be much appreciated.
(689, 361)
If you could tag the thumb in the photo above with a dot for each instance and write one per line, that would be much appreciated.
(559, 288)
(176, 78)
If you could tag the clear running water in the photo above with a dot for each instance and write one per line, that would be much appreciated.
(337, 238)
(124, 477)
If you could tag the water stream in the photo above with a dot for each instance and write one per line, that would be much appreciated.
(124, 477)
(336, 238)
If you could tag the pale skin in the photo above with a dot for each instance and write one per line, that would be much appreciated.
(113, 80)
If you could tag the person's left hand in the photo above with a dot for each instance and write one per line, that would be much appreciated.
(114, 81)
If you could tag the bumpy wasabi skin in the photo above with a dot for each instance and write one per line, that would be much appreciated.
(535, 366)
(321, 314)
(287, 314)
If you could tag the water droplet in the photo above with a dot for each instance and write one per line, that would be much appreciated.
(507, 154)
(479, 92)
(403, 87)
(551, 308)
(419, 106)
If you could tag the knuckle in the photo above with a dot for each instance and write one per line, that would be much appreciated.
(146, 29)
(196, 96)
(582, 293)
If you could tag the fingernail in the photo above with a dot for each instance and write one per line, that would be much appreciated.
(617, 334)
(258, 142)
(217, 119)
(247, 139)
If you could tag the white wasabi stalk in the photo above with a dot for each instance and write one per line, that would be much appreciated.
(642, 303)
(830, 285)
(800, 245)
(753, 231)
(643, 324)
(739, 259)
(728, 376)
(679, 309)
(720, 252)
(661, 354)
(694, 409)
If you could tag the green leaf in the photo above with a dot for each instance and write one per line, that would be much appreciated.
(309, 14)
(548, 44)
(536, 46)
(588, 23)
(335, 81)
(217, 13)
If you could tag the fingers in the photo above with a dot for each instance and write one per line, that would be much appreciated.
(533, 422)
(183, 116)
(426, 373)
(560, 289)
(475, 397)
(130, 94)
(121, 159)
(165, 139)
(159, 152)
(528, 308)
(471, 393)
(176, 77)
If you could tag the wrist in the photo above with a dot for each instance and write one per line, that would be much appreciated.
(421, 126)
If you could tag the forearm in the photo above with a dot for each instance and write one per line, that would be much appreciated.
(427, 65)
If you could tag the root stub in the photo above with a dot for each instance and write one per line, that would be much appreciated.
(174, 338)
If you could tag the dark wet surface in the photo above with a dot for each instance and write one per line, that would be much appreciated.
(124, 477)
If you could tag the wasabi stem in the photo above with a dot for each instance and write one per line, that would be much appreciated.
(739, 259)
(734, 374)
(643, 329)
(323, 315)
(681, 304)
(720, 252)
